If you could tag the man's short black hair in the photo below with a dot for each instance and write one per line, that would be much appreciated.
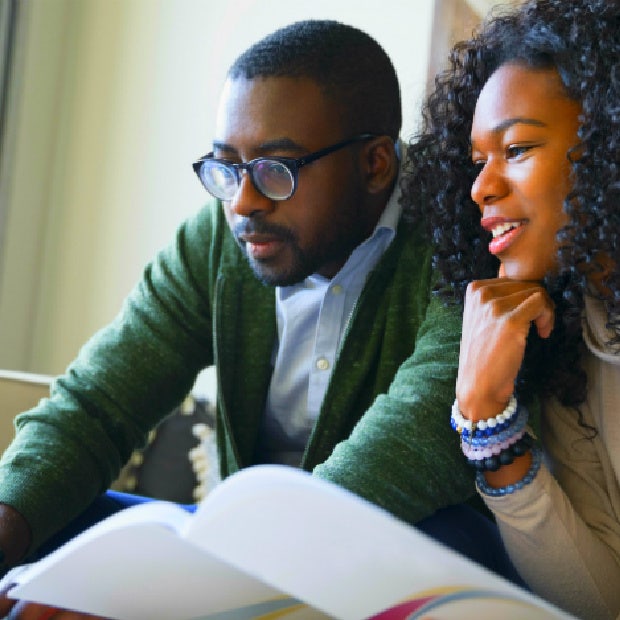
(347, 63)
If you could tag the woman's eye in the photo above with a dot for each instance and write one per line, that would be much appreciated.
(515, 151)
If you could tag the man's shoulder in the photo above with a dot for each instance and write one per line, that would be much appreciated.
(410, 251)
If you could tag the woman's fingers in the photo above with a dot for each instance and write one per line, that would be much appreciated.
(539, 307)
(496, 322)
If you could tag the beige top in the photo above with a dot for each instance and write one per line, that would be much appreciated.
(562, 531)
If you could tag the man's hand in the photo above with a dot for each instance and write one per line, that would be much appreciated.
(34, 611)
(496, 321)
(14, 542)
(23, 610)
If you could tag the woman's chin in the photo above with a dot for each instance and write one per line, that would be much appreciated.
(517, 271)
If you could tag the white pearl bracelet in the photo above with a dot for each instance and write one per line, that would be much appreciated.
(460, 423)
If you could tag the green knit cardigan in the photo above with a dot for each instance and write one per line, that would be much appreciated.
(383, 431)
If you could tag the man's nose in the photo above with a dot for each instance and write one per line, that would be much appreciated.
(248, 200)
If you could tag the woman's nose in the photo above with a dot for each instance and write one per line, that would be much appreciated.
(490, 185)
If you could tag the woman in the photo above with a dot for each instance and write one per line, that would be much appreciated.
(527, 238)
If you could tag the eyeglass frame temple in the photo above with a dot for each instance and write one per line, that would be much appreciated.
(294, 164)
(299, 162)
(302, 161)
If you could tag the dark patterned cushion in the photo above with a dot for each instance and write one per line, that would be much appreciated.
(179, 462)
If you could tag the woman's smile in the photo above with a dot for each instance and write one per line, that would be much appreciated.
(523, 129)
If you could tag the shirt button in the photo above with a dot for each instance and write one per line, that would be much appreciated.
(322, 364)
(336, 289)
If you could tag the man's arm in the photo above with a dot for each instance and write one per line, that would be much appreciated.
(68, 449)
(403, 454)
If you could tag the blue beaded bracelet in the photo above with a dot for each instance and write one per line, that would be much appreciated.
(516, 426)
(485, 488)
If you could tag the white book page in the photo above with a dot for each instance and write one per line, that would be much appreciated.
(323, 544)
(135, 565)
(263, 541)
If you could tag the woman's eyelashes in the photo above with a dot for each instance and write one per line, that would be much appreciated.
(519, 151)
(511, 152)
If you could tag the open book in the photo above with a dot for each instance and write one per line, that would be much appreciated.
(269, 542)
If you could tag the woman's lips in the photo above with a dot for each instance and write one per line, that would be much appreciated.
(504, 232)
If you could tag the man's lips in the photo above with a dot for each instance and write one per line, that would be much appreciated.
(505, 232)
(261, 247)
(261, 240)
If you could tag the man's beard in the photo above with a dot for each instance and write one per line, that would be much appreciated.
(302, 263)
(299, 267)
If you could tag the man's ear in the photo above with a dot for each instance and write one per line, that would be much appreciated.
(381, 164)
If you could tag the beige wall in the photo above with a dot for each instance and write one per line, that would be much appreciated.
(116, 98)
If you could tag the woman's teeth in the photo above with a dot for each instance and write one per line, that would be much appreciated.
(501, 229)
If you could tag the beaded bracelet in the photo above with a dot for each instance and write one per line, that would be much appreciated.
(505, 457)
(486, 489)
(461, 424)
(478, 452)
(516, 425)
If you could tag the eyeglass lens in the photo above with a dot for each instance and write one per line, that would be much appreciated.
(272, 178)
(219, 179)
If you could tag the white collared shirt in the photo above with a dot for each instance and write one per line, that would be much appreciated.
(312, 317)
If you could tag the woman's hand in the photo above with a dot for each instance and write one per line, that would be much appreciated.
(496, 321)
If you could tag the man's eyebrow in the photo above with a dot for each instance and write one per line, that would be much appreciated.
(278, 144)
(517, 120)
(223, 146)
(281, 144)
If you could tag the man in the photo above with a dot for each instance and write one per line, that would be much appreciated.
(305, 286)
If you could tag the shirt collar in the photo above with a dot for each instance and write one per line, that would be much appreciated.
(386, 227)
(391, 214)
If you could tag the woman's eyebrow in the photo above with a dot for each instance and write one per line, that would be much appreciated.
(517, 120)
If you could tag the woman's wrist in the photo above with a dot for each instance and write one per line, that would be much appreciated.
(509, 474)
(497, 455)
(480, 406)
(488, 426)
(521, 478)
(499, 448)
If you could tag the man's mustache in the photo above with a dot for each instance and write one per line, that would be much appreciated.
(260, 227)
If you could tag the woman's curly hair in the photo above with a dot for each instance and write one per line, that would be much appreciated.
(581, 40)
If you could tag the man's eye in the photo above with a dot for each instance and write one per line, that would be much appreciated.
(276, 168)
